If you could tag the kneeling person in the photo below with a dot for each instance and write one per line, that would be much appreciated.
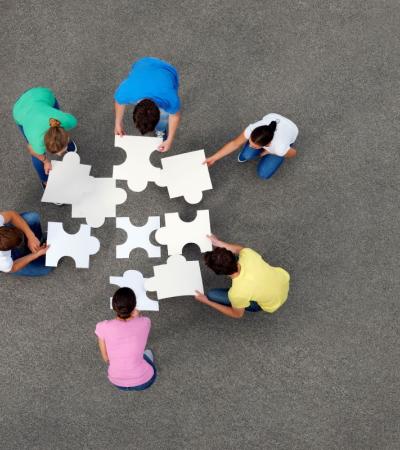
(21, 244)
(256, 286)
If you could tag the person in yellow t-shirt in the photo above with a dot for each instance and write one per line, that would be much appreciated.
(256, 286)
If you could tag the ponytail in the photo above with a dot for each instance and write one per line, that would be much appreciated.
(263, 135)
(56, 138)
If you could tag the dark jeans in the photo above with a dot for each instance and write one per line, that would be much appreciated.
(38, 165)
(221, 296)
(37, 267)
(144, 386)
(268, 164)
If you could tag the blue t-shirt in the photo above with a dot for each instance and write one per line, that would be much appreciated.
(154, 79)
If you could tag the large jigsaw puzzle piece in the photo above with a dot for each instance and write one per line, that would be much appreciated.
(186, 175)
(176, 278)
(68, 181)
(78, 246)
(176, 233)
(138, 237)
(137, 169)
(134, 279)
(99, 202)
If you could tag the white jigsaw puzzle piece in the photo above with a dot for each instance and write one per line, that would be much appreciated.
(134, 280)
(138, 237)
(78, 246)
(137, 169)
(68, 180)
(176, 233)
(99, 202)
(176, 278)
(186, 175)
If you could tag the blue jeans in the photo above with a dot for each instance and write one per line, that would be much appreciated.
(268, 164)
(37, 267)
(162, 124)
(146, 385)
(221, 296)
(38, 165)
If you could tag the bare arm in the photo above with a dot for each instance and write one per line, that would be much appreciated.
(15, 219)
(173, 123)
(103, 350)
(227, 149)
(20, 263)
(291, 153)
(234, 313)
(234, 248)
(119, 117)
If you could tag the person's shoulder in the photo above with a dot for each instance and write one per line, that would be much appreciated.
(144, 320)
(248, 252)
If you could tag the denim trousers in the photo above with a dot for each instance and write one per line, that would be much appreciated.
(38, 165)
(162, 125)
(268, 164)
(221, 296)
(37, 267)
(143, 386)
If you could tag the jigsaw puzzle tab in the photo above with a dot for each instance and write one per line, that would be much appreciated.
(176, 278)
(138, 237)
(99, 202)
(68, 180)
(137, 169)
(78, 246)
(134, 280)
(186, 175)
(176, 233)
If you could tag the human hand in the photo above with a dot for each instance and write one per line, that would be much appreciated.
(47, 166)
(210, 161)
(264, 152)
(165, 146)
(201, 297)
(33, 244)
(42, 250)
(119, 130)
(214, 240)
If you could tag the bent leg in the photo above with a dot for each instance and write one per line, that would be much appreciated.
(39, 167)
(33, 220)
(268, 165)
(219, 296)
(248, 153)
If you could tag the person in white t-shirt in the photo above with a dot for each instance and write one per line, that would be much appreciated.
(270, 139)
(21, 248)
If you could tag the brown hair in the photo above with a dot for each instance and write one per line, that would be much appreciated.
(10, 238)
(146, 116)
(221, 261)
(56, 138)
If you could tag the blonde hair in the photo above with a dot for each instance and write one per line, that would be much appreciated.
(56, 138)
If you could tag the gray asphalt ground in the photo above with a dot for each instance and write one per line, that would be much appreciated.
(323, 372)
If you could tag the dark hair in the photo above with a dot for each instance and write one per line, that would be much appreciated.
(10, 238)
(146, 116)
(263, 135)
(56, 138)
(124, 302)
(221, 261)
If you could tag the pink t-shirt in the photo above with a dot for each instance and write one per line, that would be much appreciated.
(125, 342)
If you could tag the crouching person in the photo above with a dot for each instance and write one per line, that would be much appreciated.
(256, 286)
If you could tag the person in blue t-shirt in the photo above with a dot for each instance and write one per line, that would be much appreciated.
(152, 86)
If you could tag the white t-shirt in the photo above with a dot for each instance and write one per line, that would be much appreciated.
(285, 133)
(6, 261)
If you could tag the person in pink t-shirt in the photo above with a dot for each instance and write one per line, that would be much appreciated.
(122, 343)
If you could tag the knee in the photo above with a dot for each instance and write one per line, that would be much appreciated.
(264, 174)
(31, 217)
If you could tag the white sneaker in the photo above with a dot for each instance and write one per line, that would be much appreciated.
(149, 354)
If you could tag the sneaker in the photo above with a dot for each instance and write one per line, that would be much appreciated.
(240, 159)
(72, 147)
(149, 354)
(160, 134)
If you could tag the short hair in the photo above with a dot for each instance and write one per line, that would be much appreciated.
(56, 138)
(146, 115)
(124, 302)
(10, 237)
(221, 261)
(263, 135)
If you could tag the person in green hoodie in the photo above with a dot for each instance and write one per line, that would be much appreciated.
(44, 126)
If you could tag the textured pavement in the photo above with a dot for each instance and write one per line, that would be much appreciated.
(323, 372)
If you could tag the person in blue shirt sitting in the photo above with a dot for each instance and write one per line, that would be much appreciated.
(152, 86)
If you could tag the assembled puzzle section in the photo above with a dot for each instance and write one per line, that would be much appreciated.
(99, 202)
(186, 175)
(176, 278)
(176, 233)
(137, 169)
(78, 246)
(134, 279)
(138, 237)
(68, 180)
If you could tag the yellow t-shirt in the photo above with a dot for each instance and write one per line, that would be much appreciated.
(259, 282)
